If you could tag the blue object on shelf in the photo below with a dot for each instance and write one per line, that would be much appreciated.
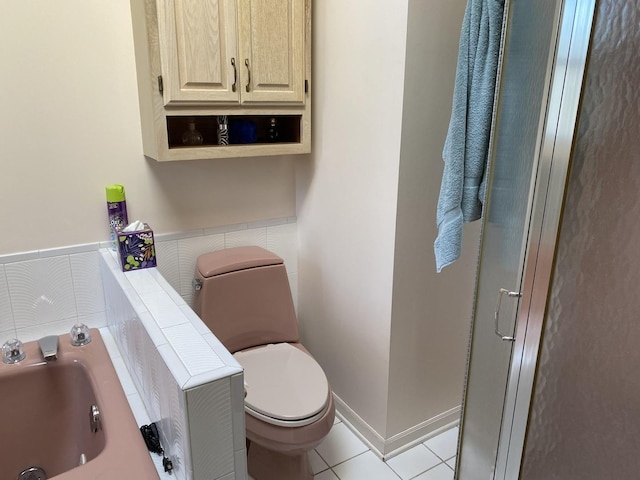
(242, 131)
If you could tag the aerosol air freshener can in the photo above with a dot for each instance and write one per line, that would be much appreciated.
(117, 211)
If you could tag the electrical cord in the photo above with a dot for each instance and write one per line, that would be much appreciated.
(152, 440)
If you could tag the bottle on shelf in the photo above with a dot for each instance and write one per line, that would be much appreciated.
(272, 130)
(192, 136)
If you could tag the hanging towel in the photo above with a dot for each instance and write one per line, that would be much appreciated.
(466, 148)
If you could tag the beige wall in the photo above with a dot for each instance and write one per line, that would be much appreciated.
(390, 333)
(347, 198)
(431, 312)
(69, 125)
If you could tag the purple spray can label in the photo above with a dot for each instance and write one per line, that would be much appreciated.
(116, 210)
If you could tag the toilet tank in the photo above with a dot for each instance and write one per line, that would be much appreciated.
(245, 298)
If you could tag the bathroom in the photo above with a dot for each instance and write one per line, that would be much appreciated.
(349, 218)
(71, 125)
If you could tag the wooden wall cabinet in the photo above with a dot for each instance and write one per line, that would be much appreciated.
(200, 60)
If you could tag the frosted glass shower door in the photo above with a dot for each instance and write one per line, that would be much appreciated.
(533, 142)
(531, 29)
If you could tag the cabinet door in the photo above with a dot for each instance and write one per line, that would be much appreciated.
(272, 50)
(197, 50)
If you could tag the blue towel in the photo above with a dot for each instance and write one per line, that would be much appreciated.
(466, 148)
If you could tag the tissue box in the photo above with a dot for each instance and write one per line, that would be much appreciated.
(136, 249)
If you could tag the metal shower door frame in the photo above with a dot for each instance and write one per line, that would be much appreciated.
(564, 96)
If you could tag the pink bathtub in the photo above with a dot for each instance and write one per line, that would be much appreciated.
(45, 417)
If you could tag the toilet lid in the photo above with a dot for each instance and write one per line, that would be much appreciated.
(283, 383)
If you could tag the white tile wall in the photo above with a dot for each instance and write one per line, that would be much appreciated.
(48, 291)
(174, 368)
(177, 253)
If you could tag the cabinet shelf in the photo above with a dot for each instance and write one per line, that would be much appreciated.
(288, 129)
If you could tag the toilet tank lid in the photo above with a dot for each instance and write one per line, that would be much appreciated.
(234, 259)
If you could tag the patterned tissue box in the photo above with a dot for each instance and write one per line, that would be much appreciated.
(136, 249)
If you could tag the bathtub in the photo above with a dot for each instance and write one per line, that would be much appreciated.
(45, 417)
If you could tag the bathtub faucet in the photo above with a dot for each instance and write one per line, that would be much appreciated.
(49, 348)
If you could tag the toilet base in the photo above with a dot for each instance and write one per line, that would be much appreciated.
(266, 464)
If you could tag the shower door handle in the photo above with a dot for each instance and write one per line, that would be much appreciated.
(496, 314)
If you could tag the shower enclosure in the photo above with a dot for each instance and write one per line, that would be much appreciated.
(551, 389)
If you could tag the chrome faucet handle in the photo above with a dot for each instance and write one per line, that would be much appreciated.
(13, 351)
(79, 335)
(49, 348)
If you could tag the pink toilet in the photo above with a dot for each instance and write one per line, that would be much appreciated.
(243, 296)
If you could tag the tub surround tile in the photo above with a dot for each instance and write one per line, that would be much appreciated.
(6, 335)
(211, 404)
(155, 333)
(452, 463)
(195, 320)
(135, 402)
(196, 354)
(220, 350)
(143, 281)
(59, 327)
(41, 291)
(164, 310)
(178, 371)
(237, 413)
(110, 343)
(6, 314)
(157, 379)
(124, 376)
(138, 409)
(167, 286)
(87, 282)
(186, 366)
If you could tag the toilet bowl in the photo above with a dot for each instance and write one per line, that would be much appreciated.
(243, 296)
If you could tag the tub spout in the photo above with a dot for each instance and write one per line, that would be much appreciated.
(49, 348)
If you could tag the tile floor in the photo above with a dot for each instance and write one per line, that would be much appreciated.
(343, 456)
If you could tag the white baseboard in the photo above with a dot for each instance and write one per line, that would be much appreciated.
(390, 447)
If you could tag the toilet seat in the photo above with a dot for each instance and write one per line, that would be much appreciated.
(285, 386)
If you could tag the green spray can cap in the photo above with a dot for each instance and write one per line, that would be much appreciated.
(115, 193)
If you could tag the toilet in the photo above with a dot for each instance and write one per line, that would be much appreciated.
(242, 294)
